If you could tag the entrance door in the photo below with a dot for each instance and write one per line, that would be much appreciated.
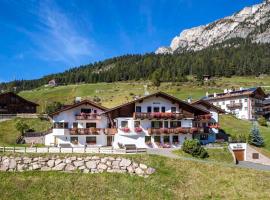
(239, 154)
(109, 140)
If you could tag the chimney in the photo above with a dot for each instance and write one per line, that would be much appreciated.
(78, 99)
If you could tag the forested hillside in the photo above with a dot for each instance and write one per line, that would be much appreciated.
(235, 57)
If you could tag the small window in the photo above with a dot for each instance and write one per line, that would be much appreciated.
(156, 124)
(157, 139)
(74, 140)
(173, 109)
(166, 124)
(85, 110)
(163, 109)
(156, 109)
(60, 125)
(246, 100)
(166, 139)
(246, 108)
(75, 125)
(223, 103)
(175, 124)
(147, 139)
(240, 100)
(149, 109)
(138, 109)
(91, 125)
(137, 124)
(95, 111)
(124, 124)
(175, 139)
(91, 140)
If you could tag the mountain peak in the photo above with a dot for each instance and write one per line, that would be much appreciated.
(250, 23)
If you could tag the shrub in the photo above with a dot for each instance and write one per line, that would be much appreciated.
(21, 127)
(194, 148)
(262, 121)
(52, 107)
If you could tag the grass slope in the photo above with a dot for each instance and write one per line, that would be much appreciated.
(113, 94)
(174, 179)
(9, 134)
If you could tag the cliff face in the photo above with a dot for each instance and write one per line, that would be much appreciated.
(250, 23)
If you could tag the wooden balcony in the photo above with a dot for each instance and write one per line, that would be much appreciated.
(234, 105)
(88, 116)
(180, 130)
(85, 131)
(110, 131)
(158, 115)
(203, 117)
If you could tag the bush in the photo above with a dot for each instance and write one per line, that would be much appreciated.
(194, 148)
(52, 107)
(262, 121)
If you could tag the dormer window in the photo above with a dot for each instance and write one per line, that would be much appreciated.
(138, 109)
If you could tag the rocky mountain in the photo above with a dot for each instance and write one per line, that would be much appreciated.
(252, 23)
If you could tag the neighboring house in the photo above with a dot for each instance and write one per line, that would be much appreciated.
(152, 121)
(52, 83)
(213, 123)
(266, 108)
(243, 103)
(79, 124)
(206, 77)
(156, 120)
(11, 103)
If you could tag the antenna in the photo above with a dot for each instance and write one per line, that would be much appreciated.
(145, 90)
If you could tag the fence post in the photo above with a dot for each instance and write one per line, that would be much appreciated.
(60, 150)
(24, 149)
(71, 149)
(98, 149)
(36, 149)
(4, 149)
(48, 149)
(14, 149)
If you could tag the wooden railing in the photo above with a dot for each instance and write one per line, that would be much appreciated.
(85, 131)
(234, 105)
(110, 131)
(180, 130)
(90, 116)
(157, 115)
(206, 117)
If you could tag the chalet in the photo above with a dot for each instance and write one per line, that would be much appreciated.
(213, 124)
(11, 103)
(156, 120)
(243, 103)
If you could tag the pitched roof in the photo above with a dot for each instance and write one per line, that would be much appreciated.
(21, 98)
(207, 104)
(68, 107)
(162, 94)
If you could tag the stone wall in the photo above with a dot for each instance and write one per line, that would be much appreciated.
(93, 164)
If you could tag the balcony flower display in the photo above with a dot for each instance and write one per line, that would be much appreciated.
(217, 126)
(125, 129)
(138, 129)
(164, 130)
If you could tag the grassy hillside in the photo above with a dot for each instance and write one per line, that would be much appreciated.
(9, 134)
(112, 94)
(174, 179)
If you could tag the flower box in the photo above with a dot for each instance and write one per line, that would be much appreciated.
(126, 130)
(138, 130)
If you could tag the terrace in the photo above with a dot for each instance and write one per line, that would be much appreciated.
(180, 130)
(158, 115)
(87, 116)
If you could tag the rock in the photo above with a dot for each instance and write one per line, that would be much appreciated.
(91, 164)
(58, 161)
(73, 158)
(150, 171)
(78, 163)
(86, 171)
(45, 168)
(130, 169)
(68, 160)
(139, 171)
(21, 167)
(125, 163)
(59, 167)
(102, 166)
(35, 166)
(115, 163)
(135, 165)
(95, 158)
(27, 160)
(143, 166)
(108, 163)
(70, 167)
(5, 163)
(82, 167)
(50, 163)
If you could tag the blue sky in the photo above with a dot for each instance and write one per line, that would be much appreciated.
(43, 37)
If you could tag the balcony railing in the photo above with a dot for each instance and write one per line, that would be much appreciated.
(234, 105)
(256, 104)
(87, 116)
(110, 131)
(85, 131)
(180, 130)
(206, 117)
(158, 115)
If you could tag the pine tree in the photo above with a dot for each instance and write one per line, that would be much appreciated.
(255, 137)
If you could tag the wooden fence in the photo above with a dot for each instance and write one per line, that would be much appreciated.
(95, 150)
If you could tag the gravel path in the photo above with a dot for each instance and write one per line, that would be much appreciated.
(244, 164)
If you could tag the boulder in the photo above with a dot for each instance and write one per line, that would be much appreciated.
(45, 168)
(125, 163)
(150, 171)
(78, 163)
(91, 164)
(143, 166)
(50, 163)
(70, 167)
(139, 171)
(36, 166)
(58, 161)
(102, 166)
(59, 167)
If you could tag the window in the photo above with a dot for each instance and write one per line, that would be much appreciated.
(157, 139)
(138, 109)
(240, 100)
(74, 140)
(85, 110)
(91, 125)
(156, 109)
(246, 108)
(175, 139)
(163, 109)
(166, 139)
(149, 109)
(137, 124)
(232, 102)
(156, 124)
(60, 125)
(91, 140)
(147, 139)
(166, 124)
(124, 124)
(173, 109)
(95, 111)
(246, 100)
(75, 125)
(175, 124)
(223, 103)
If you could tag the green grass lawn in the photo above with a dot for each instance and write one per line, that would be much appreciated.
(217, 155)
(113, 94)
(174, 179)
(9, 134)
